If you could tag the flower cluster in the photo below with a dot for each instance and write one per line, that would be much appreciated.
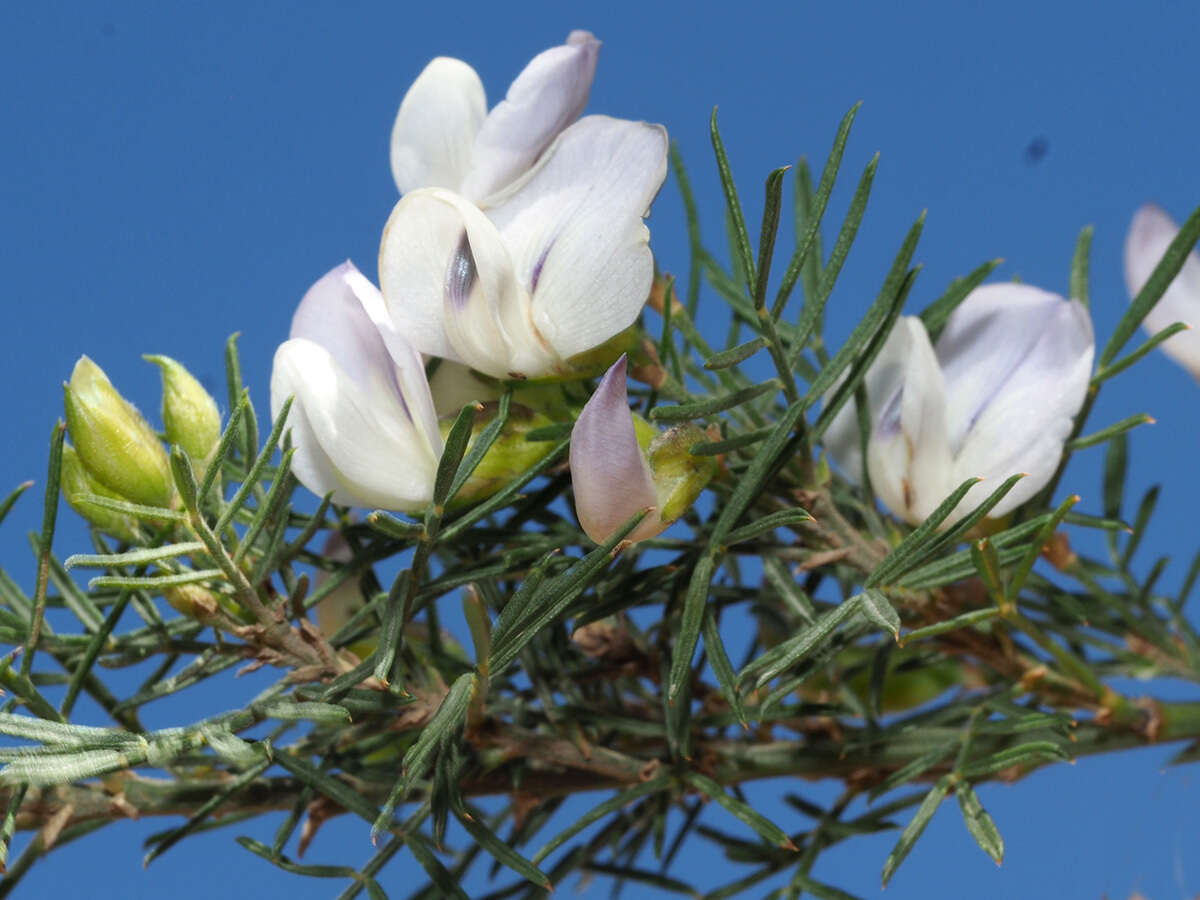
(518, 248)
(518, 245)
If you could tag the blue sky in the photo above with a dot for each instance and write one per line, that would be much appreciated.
(172, 173)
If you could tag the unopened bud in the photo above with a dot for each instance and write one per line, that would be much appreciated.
(621, 465)
(599, 359)
(510, 454)
(193, 601)
(678, 475)
(115, 444)
(76, 483)
(189, 413)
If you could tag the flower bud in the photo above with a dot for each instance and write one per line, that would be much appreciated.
(76, 482)
(508, 457)
(115, 444)
(189, 413)
(678, 476)
(621, 465)
(194, 602)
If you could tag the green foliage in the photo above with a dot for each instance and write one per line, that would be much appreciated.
(908, 663)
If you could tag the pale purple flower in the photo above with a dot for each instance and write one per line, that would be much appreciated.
(997, 396)
(445, 137)
(559, 263)
(609, 472)
(1150, 233)
(362, 419)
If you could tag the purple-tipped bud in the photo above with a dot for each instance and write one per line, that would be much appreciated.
(611, 477)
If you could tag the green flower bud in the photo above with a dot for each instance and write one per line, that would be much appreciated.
(509, 455)
(621, 465)
(599, 359)
(678, 476)
(76, 481)
(189, 413)
(194, 602)
(115, 444)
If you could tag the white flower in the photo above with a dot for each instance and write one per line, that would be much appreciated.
(362, 420)
(559, 263)
(1150, 233)
(445, 137)
(997, 396)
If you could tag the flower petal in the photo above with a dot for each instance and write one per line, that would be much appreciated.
(1150, 233)
(1017, 362)
(344, 313)
(908, 455)
(434, 134)
(352, 437)
(545, 98)
(883, 383)
(574, 228)
(454, 386)
(449, 287)
(609, 472)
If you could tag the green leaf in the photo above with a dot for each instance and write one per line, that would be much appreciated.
(1032, 753)
(1023, 568)
(712, 405)
(389, 525)
(751, 483)
(914, 829)
(1079, 272)
(814, 305)
(819, 889)
(163, 842)
(868, 337)
(553, 598)
(1107, 434)
(1120, 365)
(764, 827)
(132, 557)
(153, 514)
(419, 757)
(768, 523)
(260, 849)
(1156, 285)
(153, 583)
(879, 612)
(391, 631)
(618, 801)
(737, 442)
(452, 454)
(184, 476)
(915, 767)
(305, 711)
(734, 355)
(255, 474)
(978, 822)
(335, 789)
(766, 243)
(951, 536)
(7, 503)
(502, 852)
(719, 660)
(238, 405)
(786, 654)
(446, 883)
(810, 237)
(745, 256)
(913, 545)
(966, 620)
